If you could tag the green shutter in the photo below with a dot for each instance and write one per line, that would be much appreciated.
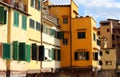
(6, 51)
(22, 51)
(1, 15)
(24, 22)
(52, 54)
(60, 35)
(53, 32)
(16, 18)
(32, 3)
(59, 55)
(15, 50)
(38, 4)
(5, 16)
(28, 49)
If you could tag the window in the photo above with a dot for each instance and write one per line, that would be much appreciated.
(60, 35)
(38, 27)
(36, 4)
(94, 37)
(98, 32)
(113, 45)
(55, 54)
(108, 30)
(65, 41)
(107, 52)
(81, 55)
(3, 15)
(81, 35)
(34, 51)
(16, 18)
(108, 62)
(95, 56)
(98, 42)
(52, 33)
(32, 22)
(24, 19)
(113, 37)
(65, 20)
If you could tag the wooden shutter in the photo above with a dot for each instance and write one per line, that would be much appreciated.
(96, 55)
(76, 56)
(38, 4)
(28, 53)
(1, 49)
(6, 51)
(16, 18)
(60, 35)
(24, 22)
(34, 51)
(32, 3)
(1, 15)
(59, 55)
(22, 51)
(15, 50)
(5, 16)
(41, 53)
(52, 54)
(87, 55)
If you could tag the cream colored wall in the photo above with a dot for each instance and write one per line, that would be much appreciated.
(109, 57)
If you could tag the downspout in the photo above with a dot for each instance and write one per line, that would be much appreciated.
(8, 40)
(70, 33)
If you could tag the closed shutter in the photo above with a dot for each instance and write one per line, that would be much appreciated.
(41, 53)
(22, 51)
(32, 3)
(34, 51)
(52, 54)
(53, 32)
(15, 50)
(60, 35)
(5, 16)
(16, 18)
(1, 15)
(76, 56)
(1, 49)
(24, 22)
(87, 55)
(38, 4)
(96, 55)
(28, 52)
(59, 55)
(6, 51)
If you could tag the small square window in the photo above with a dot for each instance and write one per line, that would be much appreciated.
(107, 52)
(65, 20)
(108, 30)
(108, 62)
(81, 35)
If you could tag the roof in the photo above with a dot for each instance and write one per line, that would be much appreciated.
(59, 5)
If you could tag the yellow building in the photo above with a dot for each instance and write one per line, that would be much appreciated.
(80, 45)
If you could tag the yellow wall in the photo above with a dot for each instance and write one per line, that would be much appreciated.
(74, 9)
(109, 57)
(79, 25)
(61, 12)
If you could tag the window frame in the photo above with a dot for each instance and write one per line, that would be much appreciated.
(81, 35)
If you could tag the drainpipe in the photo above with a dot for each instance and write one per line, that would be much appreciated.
(8, 40)
(70, 33)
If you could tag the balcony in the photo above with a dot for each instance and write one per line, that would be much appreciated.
(49, 17)
(16, 4)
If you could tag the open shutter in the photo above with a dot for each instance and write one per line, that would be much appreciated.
(6, 51)
(41, 53)
(1, 15)
(38, 4)
(75, 56)
(87, 55)
(22, 51)
(34, 51)
(52, 54)
(15, 50)
(59, 55)
(96, 55)
(60, 35)
(1, 49)
(5, 16)
(28, 51)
